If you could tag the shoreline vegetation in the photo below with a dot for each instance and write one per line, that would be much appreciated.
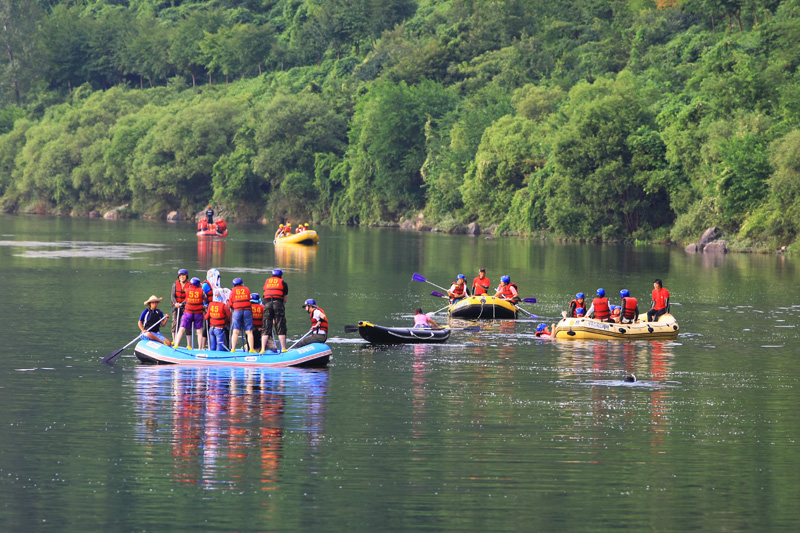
(643, 121)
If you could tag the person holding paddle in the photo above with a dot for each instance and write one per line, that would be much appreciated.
(507, 290)
(178, 299)
(423, 321)
(319, 325)
(275, 293)
(151, 320)
(458, 290)
(193, 314)
(481, 284)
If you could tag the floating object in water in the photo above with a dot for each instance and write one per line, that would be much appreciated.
(630, 378)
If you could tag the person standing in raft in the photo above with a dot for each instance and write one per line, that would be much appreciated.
(630, 307)
(193, 313)
(218, 315)
(209, 216)
(481, 284)
(149, 318)
(241, 315)
(574, 305)
(507, 290)
(423, 321)
(660, 303)
(458, 290)
(275, 295)
(258, 319)
(600, 310)
(319, 324)
(178, 299)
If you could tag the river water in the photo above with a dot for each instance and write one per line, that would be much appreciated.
(495, 430)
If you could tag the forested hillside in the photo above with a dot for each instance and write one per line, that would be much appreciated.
(595, 119)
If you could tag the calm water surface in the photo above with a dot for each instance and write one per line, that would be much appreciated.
(495, 430)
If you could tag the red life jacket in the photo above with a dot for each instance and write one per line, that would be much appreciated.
(507, 294)
(323, 322)
(240, 298)
(180, 291)
(629, 305)
(273, 288)
(258, 315)
(481, 285)
(194, 299)
(545, 331)
(575, 307)
(601, 309)
(218, 314)
(458, 292)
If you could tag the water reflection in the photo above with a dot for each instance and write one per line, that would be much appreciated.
(210, 251)
(295, 256)
(218, 422)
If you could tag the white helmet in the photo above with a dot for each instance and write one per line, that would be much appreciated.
(213, 278)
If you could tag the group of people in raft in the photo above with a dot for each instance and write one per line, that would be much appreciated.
(600, 309)
(208, 223)
(625, 313)
(284, 230)
(221, 314)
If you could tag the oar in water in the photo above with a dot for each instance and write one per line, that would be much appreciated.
(420, 278)
(354, 329)
(525, 310)
(303, 337)
(110, 358)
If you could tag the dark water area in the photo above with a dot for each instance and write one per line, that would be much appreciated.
(495, 430)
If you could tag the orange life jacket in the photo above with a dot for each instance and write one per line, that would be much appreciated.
(481, 285)
(507, 294)
(273, 288)
(240, 298)
(218, 314)
(258, 315)
(194, 299)
(601, 309)
(458, 292)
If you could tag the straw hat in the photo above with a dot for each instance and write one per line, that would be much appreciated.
(153, 298)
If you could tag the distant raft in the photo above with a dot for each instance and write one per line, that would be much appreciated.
(304, 237)
(589, 329)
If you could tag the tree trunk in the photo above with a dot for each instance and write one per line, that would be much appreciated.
(194, 81)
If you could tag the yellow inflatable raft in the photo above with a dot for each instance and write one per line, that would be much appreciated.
(588, 329)
(304, 237)
(486, 307)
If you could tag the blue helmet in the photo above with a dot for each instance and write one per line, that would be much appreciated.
(461, 276)
(505, 279)
(237, 281)
(579, 296)
(624, 293)
(310, 301)
(541, 327)
(601, 292)
(183, 272)
(255, 297)
(580, 311)
(196, 282)
(277, 272)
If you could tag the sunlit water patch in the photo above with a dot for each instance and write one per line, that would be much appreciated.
(67, 249)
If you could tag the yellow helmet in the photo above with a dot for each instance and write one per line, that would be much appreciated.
(306, 224)
(280, 226)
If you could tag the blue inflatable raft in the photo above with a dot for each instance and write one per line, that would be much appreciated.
(155, 353)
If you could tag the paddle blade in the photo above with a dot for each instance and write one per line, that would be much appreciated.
(472, 328)
(529, 300)
(110, 358)
(351, 329)
(438, 294)
(417, 277)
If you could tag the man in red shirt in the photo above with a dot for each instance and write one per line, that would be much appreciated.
(660, 303)
(481, 284)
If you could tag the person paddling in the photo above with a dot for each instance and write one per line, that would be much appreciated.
(150, 316)
(507, 290)
(481, 284)
(423, 321)
(660, 303)
(319, 324)
(458, 290)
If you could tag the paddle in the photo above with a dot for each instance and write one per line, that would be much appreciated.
(303, 337)
(521, 309)
(438, 294)
(351, 329)
(420, 278)
(110, 358)
(354, 329)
